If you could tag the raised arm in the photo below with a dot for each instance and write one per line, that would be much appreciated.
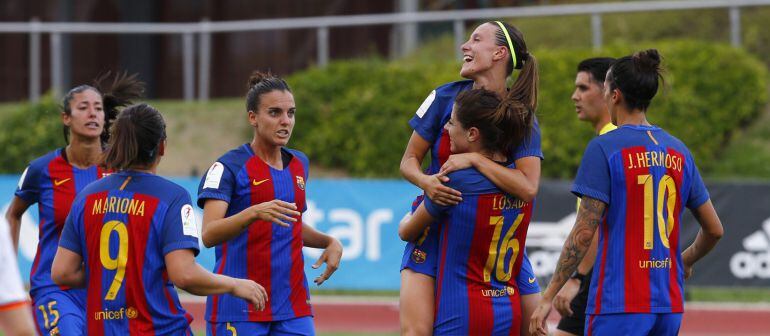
(186, 274)
(218, 229)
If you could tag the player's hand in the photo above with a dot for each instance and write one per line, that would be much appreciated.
(457, 162)
(687, 271)
(537, 324)
(250, 291)
(563, 299)
(331, 256)
(434, 188)
(276, 211)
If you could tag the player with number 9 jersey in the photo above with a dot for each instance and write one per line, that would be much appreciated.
(132, 236)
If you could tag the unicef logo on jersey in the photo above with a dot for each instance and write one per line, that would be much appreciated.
(754, 262)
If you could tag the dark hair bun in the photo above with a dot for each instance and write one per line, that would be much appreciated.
(647, 60)
(257, 77)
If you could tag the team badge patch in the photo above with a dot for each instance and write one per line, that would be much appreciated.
(301, 182)
(189, 225)
(418, 256)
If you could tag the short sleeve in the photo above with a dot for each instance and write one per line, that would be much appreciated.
(593, 177)
(71, 233)
(698, 193)
(29, 186)
(180, 228)
(427, 120)
(530, 146)
(218, 184)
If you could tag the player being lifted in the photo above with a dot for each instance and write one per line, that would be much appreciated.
(252, 199)
(52, 181)
(132, 236)
(634, 183)
(483, 237)
(491, 54)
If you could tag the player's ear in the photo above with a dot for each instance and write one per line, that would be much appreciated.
(473, 134)
(162, 148)
(253, 118)
(66, 119)
(500, 53)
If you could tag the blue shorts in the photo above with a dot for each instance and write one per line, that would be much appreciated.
(60, 312)
(633, 324)
(423, 257)
(300, 326)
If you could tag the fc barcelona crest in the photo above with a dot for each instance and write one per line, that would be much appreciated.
(418, 256)
(301, 182)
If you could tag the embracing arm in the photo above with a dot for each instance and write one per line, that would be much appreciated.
(431, 184)
(521, 182)
(414, 225)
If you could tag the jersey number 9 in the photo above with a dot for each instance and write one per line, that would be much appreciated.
(119, 263)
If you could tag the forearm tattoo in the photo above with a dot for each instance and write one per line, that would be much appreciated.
(579, 240)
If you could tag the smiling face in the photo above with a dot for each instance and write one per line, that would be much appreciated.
(86, 117)
(274, 120)
(480, 52)
(458, 136)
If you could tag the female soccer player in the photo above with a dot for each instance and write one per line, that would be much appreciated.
(52, 181)
(491, 54)
(132, 236)
(482, 236)
(252, 199)
(634, 183)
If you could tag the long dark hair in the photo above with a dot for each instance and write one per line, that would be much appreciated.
(136, 137)
(524, 90)
(123, 90)
(637, 76)
(502, 129)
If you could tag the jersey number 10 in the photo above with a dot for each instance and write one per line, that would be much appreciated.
(666, 187)
(497, 255)
(117, 264)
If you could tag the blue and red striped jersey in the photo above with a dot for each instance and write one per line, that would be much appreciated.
(480, 257)
(123, 226)
(52, 182)
(266, 253)
(646, 177)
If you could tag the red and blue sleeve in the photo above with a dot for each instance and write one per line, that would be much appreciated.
(180, 229)
(593, 177)
(698, 192)
(217, 184)
(29, 186)
(530, 146)
(427, 119)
